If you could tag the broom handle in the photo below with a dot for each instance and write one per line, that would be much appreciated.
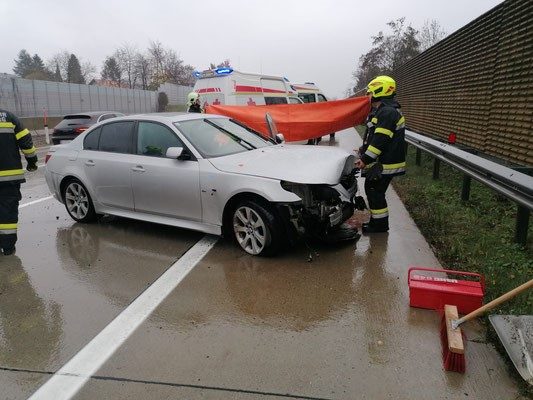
(496, 302)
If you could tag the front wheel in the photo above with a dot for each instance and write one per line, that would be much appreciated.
(78, 202)
(256, 229)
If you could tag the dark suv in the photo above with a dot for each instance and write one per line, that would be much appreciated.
(74, 124)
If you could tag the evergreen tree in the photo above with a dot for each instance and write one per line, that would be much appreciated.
(74, 74)
(37, 64)
(57, 74)
(111, 71)
(23, 64)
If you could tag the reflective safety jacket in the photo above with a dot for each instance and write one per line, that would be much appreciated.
(13, 138)
(385, 139)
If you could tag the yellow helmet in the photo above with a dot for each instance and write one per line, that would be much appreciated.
(192, 97)
(382, 86)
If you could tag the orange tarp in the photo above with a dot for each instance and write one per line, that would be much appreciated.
(300, 121)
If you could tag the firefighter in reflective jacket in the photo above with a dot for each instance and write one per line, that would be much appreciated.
(382, 155)
(13, 138)
(193, 103)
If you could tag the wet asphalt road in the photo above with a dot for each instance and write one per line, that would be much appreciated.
(237, 327)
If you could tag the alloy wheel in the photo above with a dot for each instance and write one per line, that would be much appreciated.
(77, 200)
(250, 230)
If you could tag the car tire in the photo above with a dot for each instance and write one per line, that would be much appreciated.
(78, 201)
(256, 228)
(55, 142)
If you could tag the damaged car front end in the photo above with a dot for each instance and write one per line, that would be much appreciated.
(324, 208)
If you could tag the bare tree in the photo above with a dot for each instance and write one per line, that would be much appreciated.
(143, 70)
(167, 66)
(430, 34)
(59, 60)
(226, 63)
(88, 71)
(176, 71)
(157, 55)
(126, 58)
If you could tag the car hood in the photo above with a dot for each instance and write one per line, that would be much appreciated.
(293, 163)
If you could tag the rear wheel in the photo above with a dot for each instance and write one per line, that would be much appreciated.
(256, 229)
(78, 202)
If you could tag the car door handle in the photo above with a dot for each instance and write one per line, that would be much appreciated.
(138, 168)
(89, 163)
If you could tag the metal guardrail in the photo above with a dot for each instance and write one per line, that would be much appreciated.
(510, 183)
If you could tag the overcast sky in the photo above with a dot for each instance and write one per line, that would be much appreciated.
(303, 40)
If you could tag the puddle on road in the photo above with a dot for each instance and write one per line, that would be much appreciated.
(69, 280)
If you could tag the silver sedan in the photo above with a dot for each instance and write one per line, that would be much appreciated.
(207, 173)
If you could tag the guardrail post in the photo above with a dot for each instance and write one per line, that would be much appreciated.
(436, 168)
(522, 225)
(465, 194)
(418, 159)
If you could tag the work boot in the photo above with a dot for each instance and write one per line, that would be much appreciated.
(9, 251)
(374, 228)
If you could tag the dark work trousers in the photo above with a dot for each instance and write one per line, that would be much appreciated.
(9, 213)
(375, 193)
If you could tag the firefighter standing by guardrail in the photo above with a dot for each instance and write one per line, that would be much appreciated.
(13, 138)
(382, 155)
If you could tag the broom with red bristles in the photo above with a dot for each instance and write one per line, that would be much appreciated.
(453, 350)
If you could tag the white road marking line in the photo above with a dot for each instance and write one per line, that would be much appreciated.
(66, 382)
(35, 201)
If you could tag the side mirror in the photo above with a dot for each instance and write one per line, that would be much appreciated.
(280, 138)
(174, 152)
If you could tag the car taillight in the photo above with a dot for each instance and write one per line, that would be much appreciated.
(47, 157)
(80, 129)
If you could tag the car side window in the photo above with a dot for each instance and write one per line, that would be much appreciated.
(116, 137)
(307, 97)
(90, 142)
(275, 100)
(321, 98)
(294, 100)
(154, 139)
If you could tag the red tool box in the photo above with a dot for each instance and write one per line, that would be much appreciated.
(434, 292)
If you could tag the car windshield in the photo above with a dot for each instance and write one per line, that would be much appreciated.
(216, 137)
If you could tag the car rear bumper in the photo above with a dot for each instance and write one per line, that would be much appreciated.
(53, 181)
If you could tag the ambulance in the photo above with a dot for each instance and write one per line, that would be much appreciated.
(224, 85)
(309, 92)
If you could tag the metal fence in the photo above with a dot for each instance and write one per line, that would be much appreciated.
(30, 98)
(510, 183)
(176, 94)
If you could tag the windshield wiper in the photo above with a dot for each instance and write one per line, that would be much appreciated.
(233, 136)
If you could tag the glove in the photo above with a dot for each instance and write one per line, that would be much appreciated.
(373, 173)
(32, 166)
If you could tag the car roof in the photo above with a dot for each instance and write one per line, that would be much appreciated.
(168, 117)
(93, 113)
